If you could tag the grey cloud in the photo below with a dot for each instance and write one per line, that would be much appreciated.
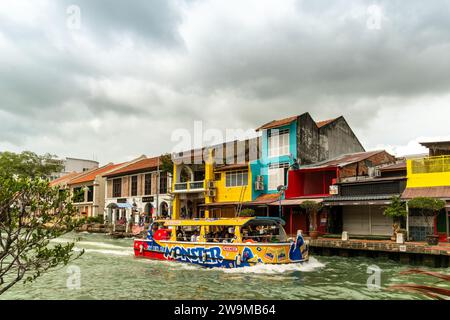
(321, 59)
(151, 20)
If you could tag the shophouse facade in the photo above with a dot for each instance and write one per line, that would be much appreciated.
(429, 177)
(137, 192)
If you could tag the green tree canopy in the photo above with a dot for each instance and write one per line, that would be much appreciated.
(427, 204)
(31, 214)
(28, 164)
(247, 213)
(166, 163)
(396, 208)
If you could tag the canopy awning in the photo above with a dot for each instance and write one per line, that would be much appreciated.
(120, 206)
(295, 202)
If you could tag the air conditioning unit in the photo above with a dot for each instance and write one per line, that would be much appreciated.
(210, 184)
(211, 193)
(259, 186)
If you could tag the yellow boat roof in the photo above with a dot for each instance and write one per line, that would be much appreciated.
(208, 222)
(222, 221)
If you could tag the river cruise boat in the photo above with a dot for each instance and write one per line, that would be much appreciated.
(222, 243)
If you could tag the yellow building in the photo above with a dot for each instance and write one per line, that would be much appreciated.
(428, 172)
(429, 177)
(204, 187)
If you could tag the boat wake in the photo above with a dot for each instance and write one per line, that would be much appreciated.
(126, 252)
(310, 266)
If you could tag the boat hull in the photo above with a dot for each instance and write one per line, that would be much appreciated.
(222, 255)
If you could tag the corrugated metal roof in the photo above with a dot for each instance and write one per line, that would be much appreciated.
(394, 167)
(430, 192)
(360, 198)
(343, 160)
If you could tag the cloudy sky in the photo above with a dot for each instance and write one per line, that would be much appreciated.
(115, 79)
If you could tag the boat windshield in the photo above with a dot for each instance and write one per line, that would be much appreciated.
(264, 232)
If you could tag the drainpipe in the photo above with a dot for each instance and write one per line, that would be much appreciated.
(407, 222)
(448, 225)
(158, 181)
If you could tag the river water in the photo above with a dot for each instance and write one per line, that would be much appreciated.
(108, 270)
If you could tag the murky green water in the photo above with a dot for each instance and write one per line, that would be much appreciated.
(110, 271)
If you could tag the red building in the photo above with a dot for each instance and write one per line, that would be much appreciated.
(314, 183)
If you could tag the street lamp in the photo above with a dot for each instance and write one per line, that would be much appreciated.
(281, 189)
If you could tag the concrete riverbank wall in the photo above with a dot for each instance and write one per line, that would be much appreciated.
(411, 253)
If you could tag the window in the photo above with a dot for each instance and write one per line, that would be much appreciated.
(90, 194)
(117, 188)
(148, 184)
(278, 142)
(78, 195)
(134, 185)
(163, 182)
(237, 179)
(278, 175)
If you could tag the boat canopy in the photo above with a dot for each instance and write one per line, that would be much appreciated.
(266, 221)
(224, 221)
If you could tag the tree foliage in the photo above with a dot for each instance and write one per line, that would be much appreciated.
(166, 163)
(427, 204)
(32, 213)
(311, 208)
(396, 208)
(428, 207)
(247, 213)
(28, 164)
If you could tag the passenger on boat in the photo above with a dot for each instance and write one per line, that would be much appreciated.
(195, 237)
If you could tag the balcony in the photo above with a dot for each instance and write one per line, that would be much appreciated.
(189, 187)
(429, 172)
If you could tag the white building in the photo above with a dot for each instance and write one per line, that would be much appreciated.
(75, 165)
(137, 192)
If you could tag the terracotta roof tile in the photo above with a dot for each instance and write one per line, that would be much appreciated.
(92, 174)
(140, 165)
(277, 123)
(286, 121)
(321, 124)
(65, 179)
(266, 198)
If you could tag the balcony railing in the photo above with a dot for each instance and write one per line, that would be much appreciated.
(193, 186)
(430, 165)
(197, 185)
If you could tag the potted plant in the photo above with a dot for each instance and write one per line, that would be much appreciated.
(312, 208)
(247, 213)
(397, 211)
(429, 209)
